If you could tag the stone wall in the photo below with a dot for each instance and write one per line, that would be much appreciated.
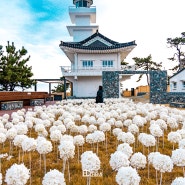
(168, 97)
(11, 105)
(10, 96)
(158, 86)
(110, 84)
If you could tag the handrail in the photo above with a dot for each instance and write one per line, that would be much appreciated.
(68, 69)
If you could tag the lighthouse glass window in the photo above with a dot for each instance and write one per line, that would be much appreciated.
(107, 63)
(81, 3)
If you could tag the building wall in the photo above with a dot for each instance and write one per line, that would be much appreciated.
(86, 86)
(178, 79)
(79, 35)
(143, 88)
(82, 20)
(98, 58)
(140, 90)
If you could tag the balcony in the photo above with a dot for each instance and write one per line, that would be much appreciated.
(86, 71)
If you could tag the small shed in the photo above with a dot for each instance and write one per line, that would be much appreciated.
(177, 81)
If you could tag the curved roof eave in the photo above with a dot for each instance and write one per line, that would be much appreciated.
(106, 50)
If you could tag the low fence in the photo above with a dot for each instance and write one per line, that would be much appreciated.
(11, 100)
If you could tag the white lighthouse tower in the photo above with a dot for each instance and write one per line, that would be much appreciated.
(90, 52)
(82, 15)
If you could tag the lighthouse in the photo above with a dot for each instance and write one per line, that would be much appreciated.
(83, 18)
(90, 52)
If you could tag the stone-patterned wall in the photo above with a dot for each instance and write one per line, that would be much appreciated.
(37, 102)
(11, 105)
(177, 105)
(110, 84)
(158, 86)
(158, 81)
(168, 97)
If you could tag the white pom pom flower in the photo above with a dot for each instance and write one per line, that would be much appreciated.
(44, 146)
(162, 163)
(147, 139)
(127, 176)
(119, 124)
(53, 177)
(105, 127)
(78, 140)
(2, 137)
(128, 137)
(139, 121)
(182, 143)
(19, 139)
(178, 181)
(66, 138)
(21, 129)
(56, 135)
(174, 137)
(98, 136)
(29, 144)
(155, 130)
(178, 157)
(116, 131)
(138, 160)
(89, 138)
(67, 149)
(90, 161)
(134, 129)
(151, 157)
(92, 128)
(118, 159)
(126, 149)
(11, 133)
(17, 174)
(127, 122)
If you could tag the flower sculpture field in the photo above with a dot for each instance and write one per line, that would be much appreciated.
(135, 143)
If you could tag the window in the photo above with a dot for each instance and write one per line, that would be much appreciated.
(183, 84)
(175, 85)
(81, 3)
(87, 63)
(107, 63)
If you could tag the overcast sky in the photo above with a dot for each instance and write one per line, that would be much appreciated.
(40, 25)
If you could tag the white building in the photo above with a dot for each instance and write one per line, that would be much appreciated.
(90, 53)
(177, 81)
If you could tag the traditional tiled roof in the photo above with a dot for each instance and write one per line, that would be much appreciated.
(95, 42)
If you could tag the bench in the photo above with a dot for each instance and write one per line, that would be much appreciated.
(26, 98)
(11, 105)
(177, 104)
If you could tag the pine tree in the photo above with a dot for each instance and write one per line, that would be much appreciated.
(146, 64)
(179, 55)
(14, 71)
